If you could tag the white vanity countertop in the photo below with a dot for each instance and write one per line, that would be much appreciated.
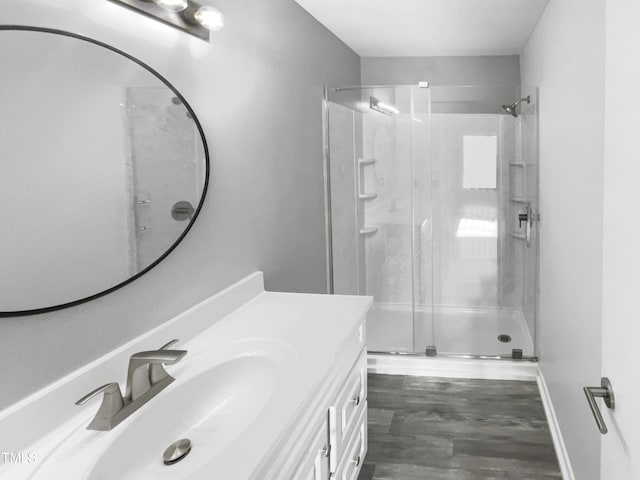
(316, 326)
(311, 328)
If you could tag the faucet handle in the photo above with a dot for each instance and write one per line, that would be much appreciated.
(112, 403)
(109, 388)
(158, 357)
(156, 370)
(169, 344)
(146, 369)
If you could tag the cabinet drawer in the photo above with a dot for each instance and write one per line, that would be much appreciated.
(348, 408)
(354, 453)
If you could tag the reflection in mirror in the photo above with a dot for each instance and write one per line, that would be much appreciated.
(103, 169)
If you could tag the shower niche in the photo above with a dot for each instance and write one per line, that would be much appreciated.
(432, 201)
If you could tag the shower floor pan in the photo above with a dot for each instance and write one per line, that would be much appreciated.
(458, 330)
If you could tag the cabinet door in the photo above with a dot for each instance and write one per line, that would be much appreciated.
(347, 409)
(321, 470)
(354, 453)
(315, 464)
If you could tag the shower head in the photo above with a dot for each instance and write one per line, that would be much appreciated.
(512, 109)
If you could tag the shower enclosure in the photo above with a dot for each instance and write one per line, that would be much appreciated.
(431, 206)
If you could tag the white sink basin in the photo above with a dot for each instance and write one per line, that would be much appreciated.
(215, 398)
(243, 394)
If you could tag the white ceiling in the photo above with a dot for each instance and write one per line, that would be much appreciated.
(415, 28)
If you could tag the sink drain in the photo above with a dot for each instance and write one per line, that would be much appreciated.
(176, 451)
(504, 338)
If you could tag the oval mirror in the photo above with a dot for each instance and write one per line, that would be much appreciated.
(103, 169)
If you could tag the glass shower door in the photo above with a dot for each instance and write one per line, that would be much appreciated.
(422, 212)
(371, 142)
(484, 178)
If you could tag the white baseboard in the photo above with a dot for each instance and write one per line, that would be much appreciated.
(556, 434)
(453, 367)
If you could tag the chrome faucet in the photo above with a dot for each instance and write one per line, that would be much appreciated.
(146, 377)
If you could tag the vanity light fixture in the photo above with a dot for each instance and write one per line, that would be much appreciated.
(186, 15)
(172, 5)
(210, 18)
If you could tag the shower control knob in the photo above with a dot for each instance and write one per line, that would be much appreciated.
(182, 211)
(523, 217)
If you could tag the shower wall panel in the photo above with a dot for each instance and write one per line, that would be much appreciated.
(511, 283)
(529, 149)
(466, 246)
(388, 262)
(342, 134)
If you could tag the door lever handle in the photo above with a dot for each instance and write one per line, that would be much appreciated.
(604, 391)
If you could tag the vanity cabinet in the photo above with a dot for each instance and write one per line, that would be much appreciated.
(329, 441)
(339, 448)
(340, 445)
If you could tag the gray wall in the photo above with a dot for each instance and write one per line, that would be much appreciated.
(496, 80)
(257, 89)
(567, 60)
(496, 70)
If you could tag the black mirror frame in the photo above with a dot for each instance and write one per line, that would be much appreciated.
(36, 311)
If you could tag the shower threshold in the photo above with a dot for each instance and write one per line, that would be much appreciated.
(462, 356)
(452, 366)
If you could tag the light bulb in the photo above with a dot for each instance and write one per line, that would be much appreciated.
(172, 5)
(210, 18)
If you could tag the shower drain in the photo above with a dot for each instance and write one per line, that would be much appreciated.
(504, 338)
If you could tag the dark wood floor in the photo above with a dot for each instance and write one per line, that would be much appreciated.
(457, 429)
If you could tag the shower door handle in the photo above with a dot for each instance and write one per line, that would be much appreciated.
(604, 391)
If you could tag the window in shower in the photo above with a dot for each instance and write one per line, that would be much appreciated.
(480, 157)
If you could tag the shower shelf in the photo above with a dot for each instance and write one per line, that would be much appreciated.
(519, 236)
(362, 162)
(517, 164)
(368, 230)
(367, 196)
(518, 199)
(366, 161)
